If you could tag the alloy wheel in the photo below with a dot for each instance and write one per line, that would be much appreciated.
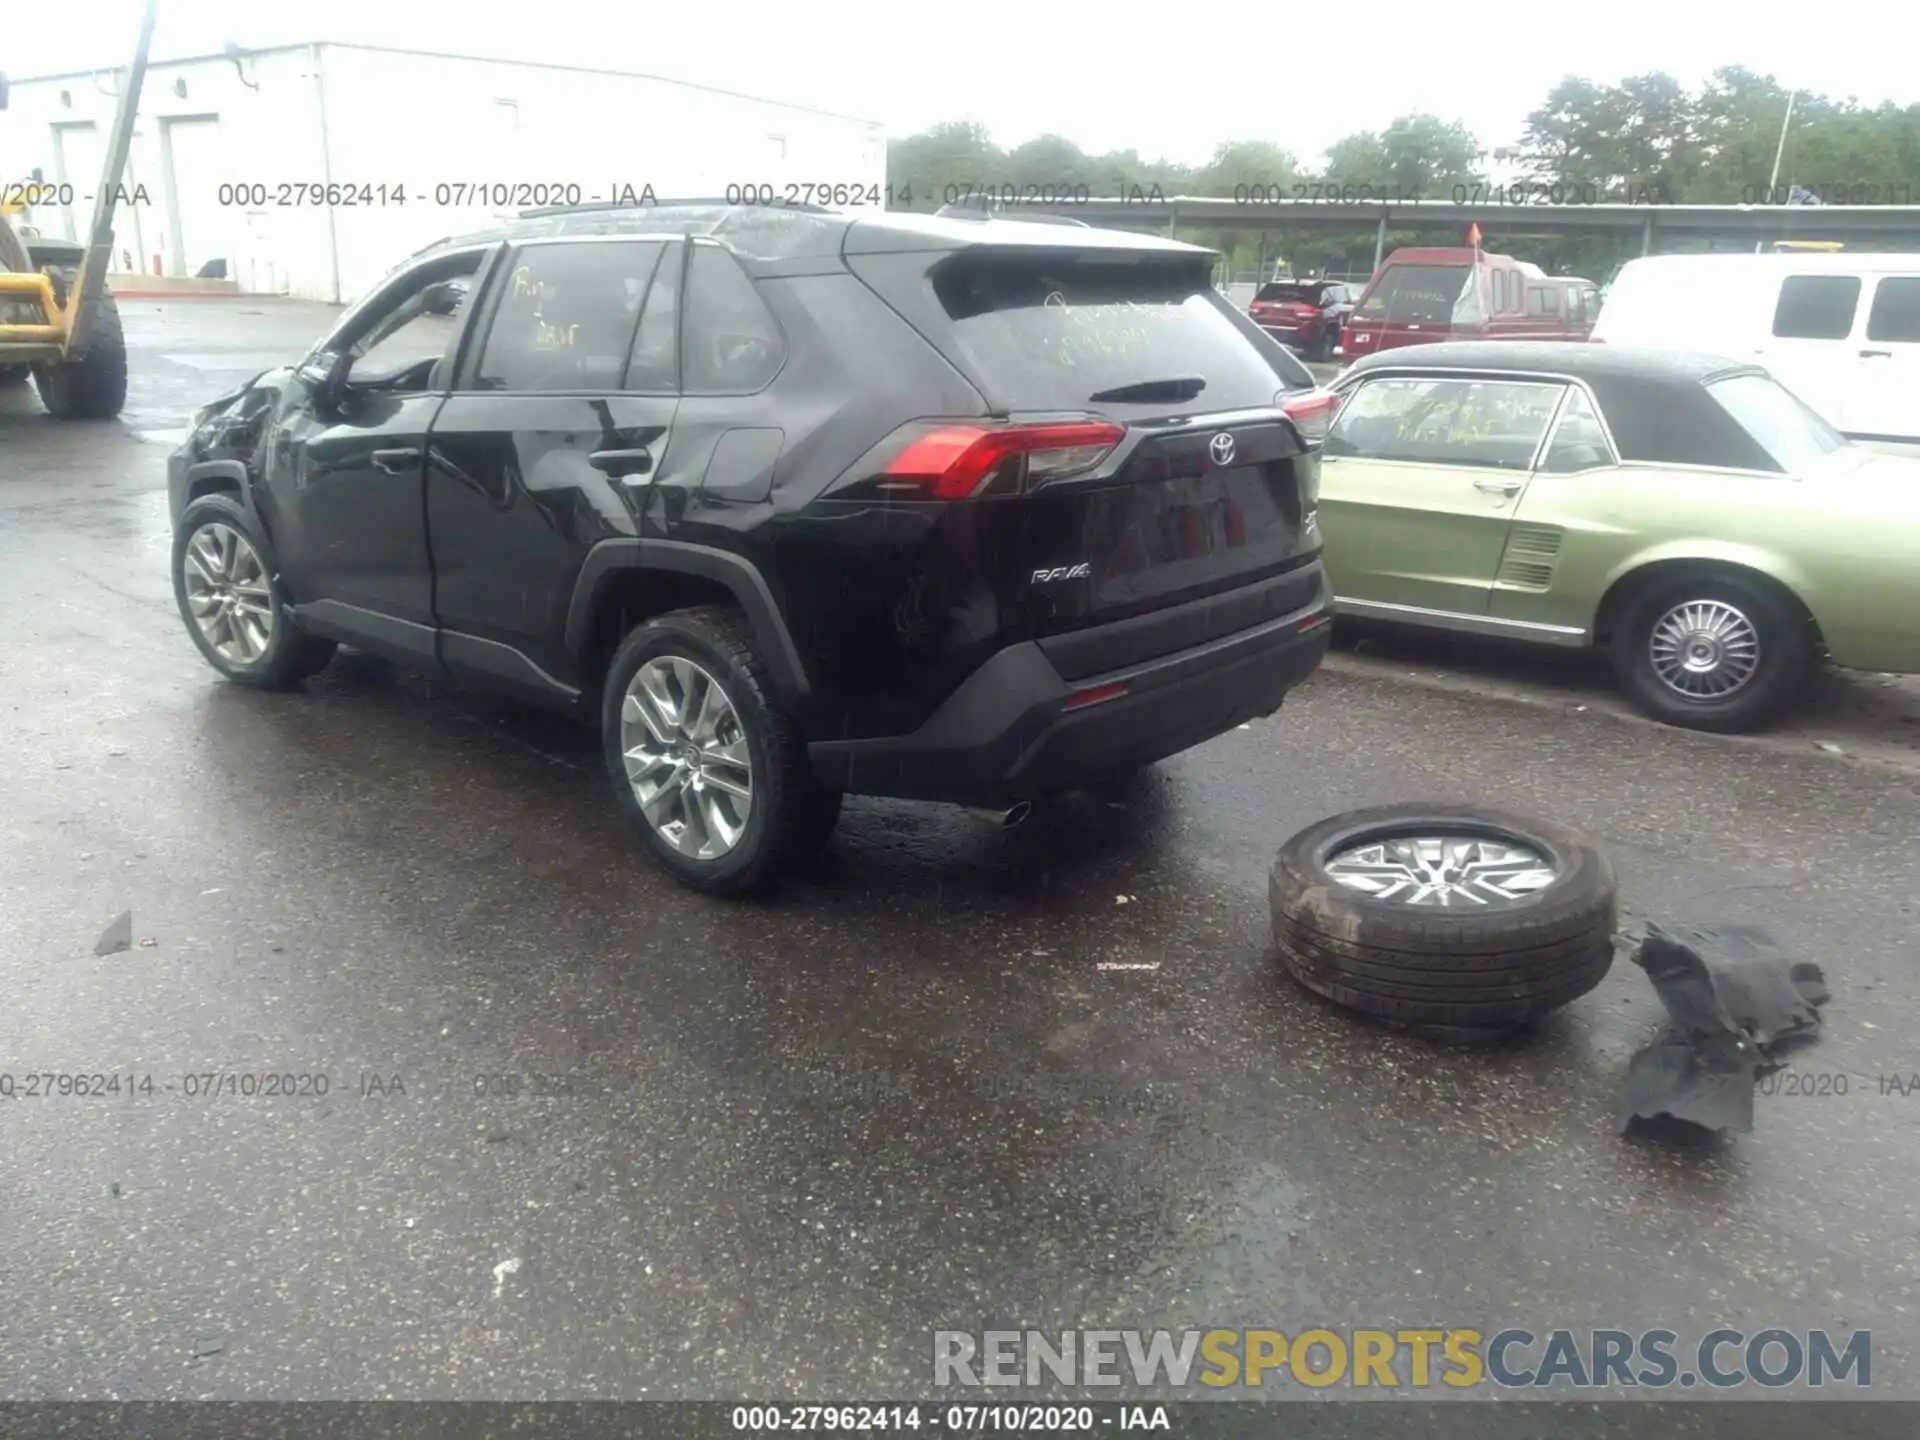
(1443, 870)
(686, 757)
(228, 593)
(1704, 649)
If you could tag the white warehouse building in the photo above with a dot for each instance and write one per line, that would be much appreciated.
(310, 170)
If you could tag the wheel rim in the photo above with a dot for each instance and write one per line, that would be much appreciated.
(1704, 649)
(686, 757)
(1443, 870)
(228, 593)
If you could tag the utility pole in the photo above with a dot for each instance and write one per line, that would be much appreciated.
(1779, 151)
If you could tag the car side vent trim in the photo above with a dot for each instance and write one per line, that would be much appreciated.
(1530, 557)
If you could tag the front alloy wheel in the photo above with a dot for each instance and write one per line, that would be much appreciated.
(225, 580)
(687, 757)
(228, 593)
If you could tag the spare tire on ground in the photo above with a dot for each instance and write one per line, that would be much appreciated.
(1457, 922)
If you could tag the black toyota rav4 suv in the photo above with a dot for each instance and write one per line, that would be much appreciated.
(793, 502)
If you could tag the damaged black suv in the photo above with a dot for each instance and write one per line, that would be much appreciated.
(795, 503)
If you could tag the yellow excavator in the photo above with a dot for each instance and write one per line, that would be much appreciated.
(57, 321)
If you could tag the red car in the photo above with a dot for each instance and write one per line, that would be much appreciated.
(1304, 314)
(1426, 295)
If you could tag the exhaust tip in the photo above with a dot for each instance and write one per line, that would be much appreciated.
(1004, 819)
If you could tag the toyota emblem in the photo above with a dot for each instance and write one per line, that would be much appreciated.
(1221, 448)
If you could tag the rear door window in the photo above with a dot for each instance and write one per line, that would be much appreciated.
(1050, 332)
(565, 317)
(1895, 316)
(1816, 307)
(1496, 424)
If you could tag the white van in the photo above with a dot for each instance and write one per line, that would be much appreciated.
(1840, 330)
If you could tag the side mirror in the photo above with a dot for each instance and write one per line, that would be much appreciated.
(444, 298)
(327, 374)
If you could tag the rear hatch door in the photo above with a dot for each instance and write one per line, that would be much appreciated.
(1206, 482)
(1413, 305)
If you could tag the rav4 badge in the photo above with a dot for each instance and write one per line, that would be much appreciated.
(1064, 572)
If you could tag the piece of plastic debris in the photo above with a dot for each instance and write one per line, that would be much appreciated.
(207, 1346)
(116, 937)
(1736, 1004)
(1121, 899)
(1829, 747)
(147, 942)
(501, 1271)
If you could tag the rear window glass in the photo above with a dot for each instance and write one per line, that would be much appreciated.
(1050, 333)
(1417, 294)
(1300, 294)
(1816, 307)
(1777, 421)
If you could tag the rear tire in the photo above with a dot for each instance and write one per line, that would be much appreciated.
(93, 387)
(209, 526)
(661, 736)
(1715, 652)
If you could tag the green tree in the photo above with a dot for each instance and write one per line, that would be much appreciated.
(1417, 156)
(957, 153)
(1634, 141)
(1046, 164)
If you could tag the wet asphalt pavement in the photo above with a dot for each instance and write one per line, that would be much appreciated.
(784, 1141)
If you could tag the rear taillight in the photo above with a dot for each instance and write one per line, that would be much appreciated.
(960, 461)
(1312, 414)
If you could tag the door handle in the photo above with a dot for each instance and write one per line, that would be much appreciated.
(1499, 487)
(622, 464)
(396, 462)
(1881, 354)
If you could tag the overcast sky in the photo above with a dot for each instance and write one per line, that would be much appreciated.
(1171, 83)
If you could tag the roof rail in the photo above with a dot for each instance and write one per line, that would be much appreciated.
(674, 203)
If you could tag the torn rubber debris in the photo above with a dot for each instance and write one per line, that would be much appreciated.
(116, 937)
(1736, 1003)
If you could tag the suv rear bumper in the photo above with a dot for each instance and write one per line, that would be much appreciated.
(1011, 731)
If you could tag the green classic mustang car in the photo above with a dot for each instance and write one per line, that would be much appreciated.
(1684, 511)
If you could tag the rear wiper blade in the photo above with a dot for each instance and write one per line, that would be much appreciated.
(1148, 392)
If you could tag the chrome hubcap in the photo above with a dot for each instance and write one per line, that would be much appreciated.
(686, 757)
(1704, 649)
(228, 593)
(1440, 870)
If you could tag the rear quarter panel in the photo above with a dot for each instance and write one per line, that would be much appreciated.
(1845, 553)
